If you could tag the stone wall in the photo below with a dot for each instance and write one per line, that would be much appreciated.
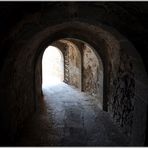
(66, 65)
(72, 62)
(74, 66)
(17, 93)
(123, 94)
(127, 97)
(92, 74)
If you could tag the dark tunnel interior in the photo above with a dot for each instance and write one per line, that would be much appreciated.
(102, 99)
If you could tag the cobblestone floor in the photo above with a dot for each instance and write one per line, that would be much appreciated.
(70, 118)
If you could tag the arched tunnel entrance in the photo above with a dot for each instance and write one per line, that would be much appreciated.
(74, 107)
(70, 104)
(121, 81)
(76, 63)
(66, 121)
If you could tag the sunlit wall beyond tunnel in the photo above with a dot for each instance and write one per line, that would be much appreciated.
(52, 66)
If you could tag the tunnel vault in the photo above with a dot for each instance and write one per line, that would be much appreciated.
(124, 90)
(119, 71)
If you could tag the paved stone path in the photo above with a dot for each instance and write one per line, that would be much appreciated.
(70, 118)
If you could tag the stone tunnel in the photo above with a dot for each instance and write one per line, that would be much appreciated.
(103, 98)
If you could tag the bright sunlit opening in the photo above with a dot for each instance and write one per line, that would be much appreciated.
(52, 66)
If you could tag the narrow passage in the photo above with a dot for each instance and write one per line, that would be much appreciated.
(70, 118)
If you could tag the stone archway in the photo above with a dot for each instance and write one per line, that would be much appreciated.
(111, 54)
(82, 67)
(110, 45)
